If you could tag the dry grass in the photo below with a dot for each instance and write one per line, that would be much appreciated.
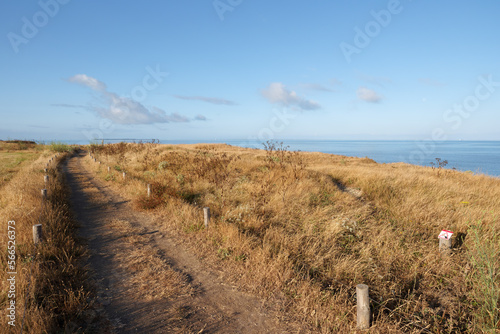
(57, 298)
(13, 156)
(305, 228)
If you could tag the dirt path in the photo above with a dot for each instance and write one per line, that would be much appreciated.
(148, 283)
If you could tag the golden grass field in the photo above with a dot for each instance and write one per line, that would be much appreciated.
(56, 295)
(300, 230)
(303, 229)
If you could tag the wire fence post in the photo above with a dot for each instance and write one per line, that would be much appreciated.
(149, 190)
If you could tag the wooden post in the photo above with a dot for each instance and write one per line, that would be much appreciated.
(445, 245)
(46, 179)
(45, 170)
(109, 169)
(124, 175)
(149, 190)
(363, 307)
(37, 233)
(206, 216)
(44, 193)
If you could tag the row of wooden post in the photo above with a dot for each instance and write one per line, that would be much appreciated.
(363, 299)
(37, 228)
(206, 211)
(109, 168)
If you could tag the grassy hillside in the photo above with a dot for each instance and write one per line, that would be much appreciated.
(305, 228)
(13, 155)
(49, 291)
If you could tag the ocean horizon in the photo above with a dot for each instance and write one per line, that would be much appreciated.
(480, 157)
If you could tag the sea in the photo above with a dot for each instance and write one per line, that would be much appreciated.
(479, 157)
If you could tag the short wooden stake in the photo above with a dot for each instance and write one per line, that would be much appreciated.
(44, 193)
(206, 216)
(149, 190)
(37, 233)
(46, 179)
(45, 170)
(363, 307)
(445, 245)
(109, 169)
(124, 175)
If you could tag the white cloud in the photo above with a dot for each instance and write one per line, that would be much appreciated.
(278, 93)
(89, 82)
(65, 105)
(124, 110)
(200, 118)
(368, 95)
(213, 100)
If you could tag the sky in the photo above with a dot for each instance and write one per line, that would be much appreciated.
(253, 70)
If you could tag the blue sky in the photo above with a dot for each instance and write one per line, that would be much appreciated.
(241, 69)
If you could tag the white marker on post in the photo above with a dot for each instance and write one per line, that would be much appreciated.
(445, 241)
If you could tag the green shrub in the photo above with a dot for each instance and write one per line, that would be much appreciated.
(59, 147)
